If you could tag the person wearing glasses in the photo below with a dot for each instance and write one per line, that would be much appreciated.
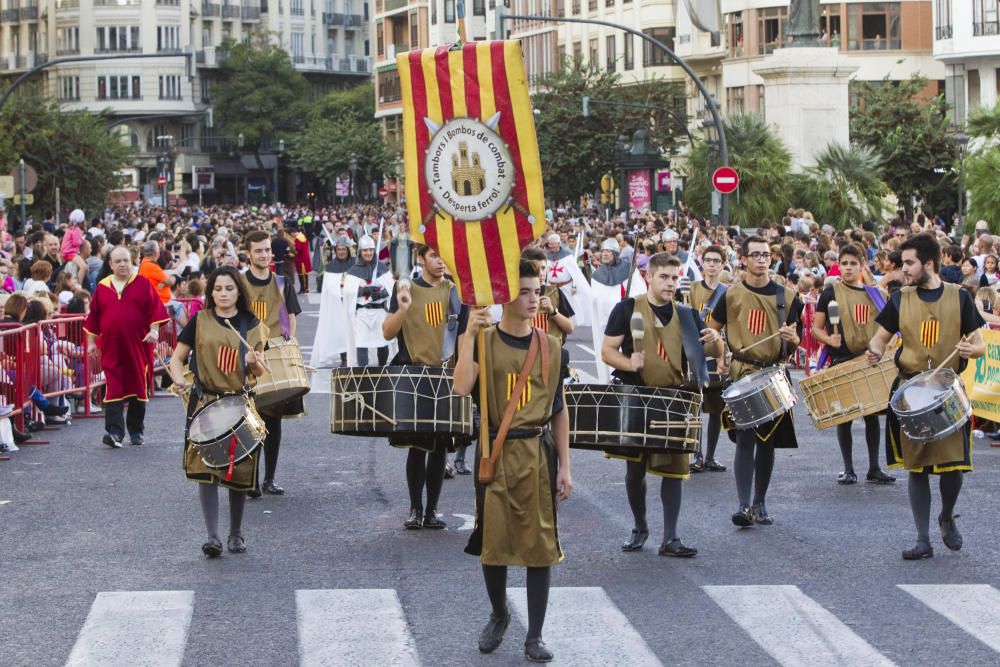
(754, 309)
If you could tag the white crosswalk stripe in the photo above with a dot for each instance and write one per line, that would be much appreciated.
(353, 627)
(793, 628)
(134, 628)
(973, 607)
(590, 627)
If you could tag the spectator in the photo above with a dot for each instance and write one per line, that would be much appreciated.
(73, 236)
(161, 281)
(41, 272)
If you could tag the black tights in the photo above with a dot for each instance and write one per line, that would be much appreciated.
(383, 355)
(873, 434)
(752, 466)
(272, 443)
(209, 496)
(712, 435)
(919, 487)
(538, 580)
(670, 497)
(425, 468)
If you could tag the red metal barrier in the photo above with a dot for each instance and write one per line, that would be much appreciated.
(808, 343)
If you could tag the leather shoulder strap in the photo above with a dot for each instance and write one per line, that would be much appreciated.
(543, 343)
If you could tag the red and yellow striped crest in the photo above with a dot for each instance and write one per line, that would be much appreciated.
(434, 312)
(756, 320)
(473, 175)
(541, 321)
(660, 350)
(862, 313)
(525, 397)
(259, 308)
(930, 332)
(227, 359)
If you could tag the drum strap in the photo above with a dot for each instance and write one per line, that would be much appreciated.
(693, 349)
(451, 326)
(779, 298)
(488, 465)
(284, 321)
(720, 291)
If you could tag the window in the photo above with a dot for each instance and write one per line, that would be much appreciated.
(942, 10)
(576, 7)
(761, 108)
(414, 30)
(187, 134)
(652, 57)
(984, 17)
(206, 90)
(206, 36)
(829, 30)
(170, 87)
(478, 8)
(388, 86)
(298, 47)
(735, 34)
(69, 88)
(379, 40)
(874, 26)
(734, 101)
(609, 3)
(449, 11)
(112, 38)
(296, 8)
(592, 6)
(770, 28)
(974, 88)
(168, 38)
(119, 87)
(609, 52)
(629, 40)
(68, 40)
(434, 12)
(592, 59)
(578, 51)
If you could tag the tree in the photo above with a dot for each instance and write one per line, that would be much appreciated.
(762, 162)
(912, 134)
(982, 166)
(261, 93)
(845, 188)
(575, 150)
(71, 150)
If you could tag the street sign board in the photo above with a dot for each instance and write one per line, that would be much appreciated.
(382, 192)
(30, 178)
(29, 200)
(161, 181)
(725, 180)
(203, 177)
(663, 179)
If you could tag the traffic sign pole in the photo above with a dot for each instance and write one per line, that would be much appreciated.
(24, 214)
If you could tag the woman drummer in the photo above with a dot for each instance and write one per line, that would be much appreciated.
(221, 364)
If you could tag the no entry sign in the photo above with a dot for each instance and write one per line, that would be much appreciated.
(725, 180)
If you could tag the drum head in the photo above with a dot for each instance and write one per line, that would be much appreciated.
(923, 391)
(751, 384)
(216, 418)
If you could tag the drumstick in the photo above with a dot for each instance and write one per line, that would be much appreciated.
(833, 312)
(167, 368)
(762, 340)
(949, 357)
(243, 340)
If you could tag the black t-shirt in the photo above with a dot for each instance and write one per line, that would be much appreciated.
(291, 299)
(971, 319)
(523, 343)
(242, 318)
(565, 309)
(794, 309)
(822, 306)
(280, 249)
(619, 324)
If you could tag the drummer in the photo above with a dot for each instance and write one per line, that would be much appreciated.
(660, 361)
(858, 306)
(703, 296)
(273, 301)
(555, 314)
(418, 319)
(935, 319)
(221, 364)
(758, 309)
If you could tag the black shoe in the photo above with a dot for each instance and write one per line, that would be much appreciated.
(415, 521)
(212, 548)
(55, 410)
(743, 518)
(268, 486)
(919, 552)
(492, 634)
(879, 477)
(760, 515)
(112, 441)
(432, 522)
(949, 532)
(32, 426)
(137, 440)
(254, 493)
(236, 544)
(697, 463)
(677, 549)
(713, 465)
(847, 478)
(636, 540)
(461, 468)
(536, 651)
(19, 436)
(449, 471)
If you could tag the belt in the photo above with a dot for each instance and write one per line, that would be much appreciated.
(519, 433)
(754, 362)
(373, 306)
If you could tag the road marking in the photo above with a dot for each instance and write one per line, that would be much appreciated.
(468, 521)
(353, 627)
(134, 628)
(792, 627)
(320, 382)
(587, 628)
(973, 607)
(586, 349)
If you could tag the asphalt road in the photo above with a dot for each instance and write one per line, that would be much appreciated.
(332, 578)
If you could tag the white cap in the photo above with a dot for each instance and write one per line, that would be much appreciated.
(670, 235)
(76, 216)
(610, 244)
(366, 243)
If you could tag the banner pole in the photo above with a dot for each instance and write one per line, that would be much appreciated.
(484, 408)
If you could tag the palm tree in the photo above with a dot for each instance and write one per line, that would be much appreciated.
(845, 188)
(763, 163)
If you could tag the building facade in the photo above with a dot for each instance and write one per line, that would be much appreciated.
(967, 43)
(161, 104)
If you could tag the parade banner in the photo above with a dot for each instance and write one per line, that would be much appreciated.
(473, 175)
(639, 195)
(982, 379)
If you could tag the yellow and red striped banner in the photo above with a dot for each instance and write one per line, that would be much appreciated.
(484, 82)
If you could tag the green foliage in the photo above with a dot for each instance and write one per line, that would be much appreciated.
(71, 150)
(575, 151)
(982, 174)
(912, 135)
(261, 94)
(845, 188)
(762, 162)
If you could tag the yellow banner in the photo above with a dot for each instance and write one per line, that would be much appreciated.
(982, 379)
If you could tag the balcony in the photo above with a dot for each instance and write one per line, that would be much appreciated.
(230, 12)
(251, 13)
(331, 19)
(117, 3)
(209, 9)
(67, 52)
(981, 29)
(393, 5)
(335, 64)
(67, 4)
(133, 49)
(10, 15)
(353, 21)
(29, 13)
(942, 32)
(209, 57)
(169, 51)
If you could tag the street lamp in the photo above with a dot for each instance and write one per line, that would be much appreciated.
(353, 168)
(164, 162)
(621, 150)
(719, 201)
(399, 178)
(962, 141)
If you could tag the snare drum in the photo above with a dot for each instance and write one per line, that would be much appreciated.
(622, 416)
(849, 390)
(931, 406)
(287, 379)
(226, 430)
(388, 400)
(759, 398)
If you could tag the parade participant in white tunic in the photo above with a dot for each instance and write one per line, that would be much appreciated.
(564, 273)
(609, 286)
(372, 282)
(334, 342)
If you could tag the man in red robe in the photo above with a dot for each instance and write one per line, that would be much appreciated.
(303, 263)
(126, 313)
